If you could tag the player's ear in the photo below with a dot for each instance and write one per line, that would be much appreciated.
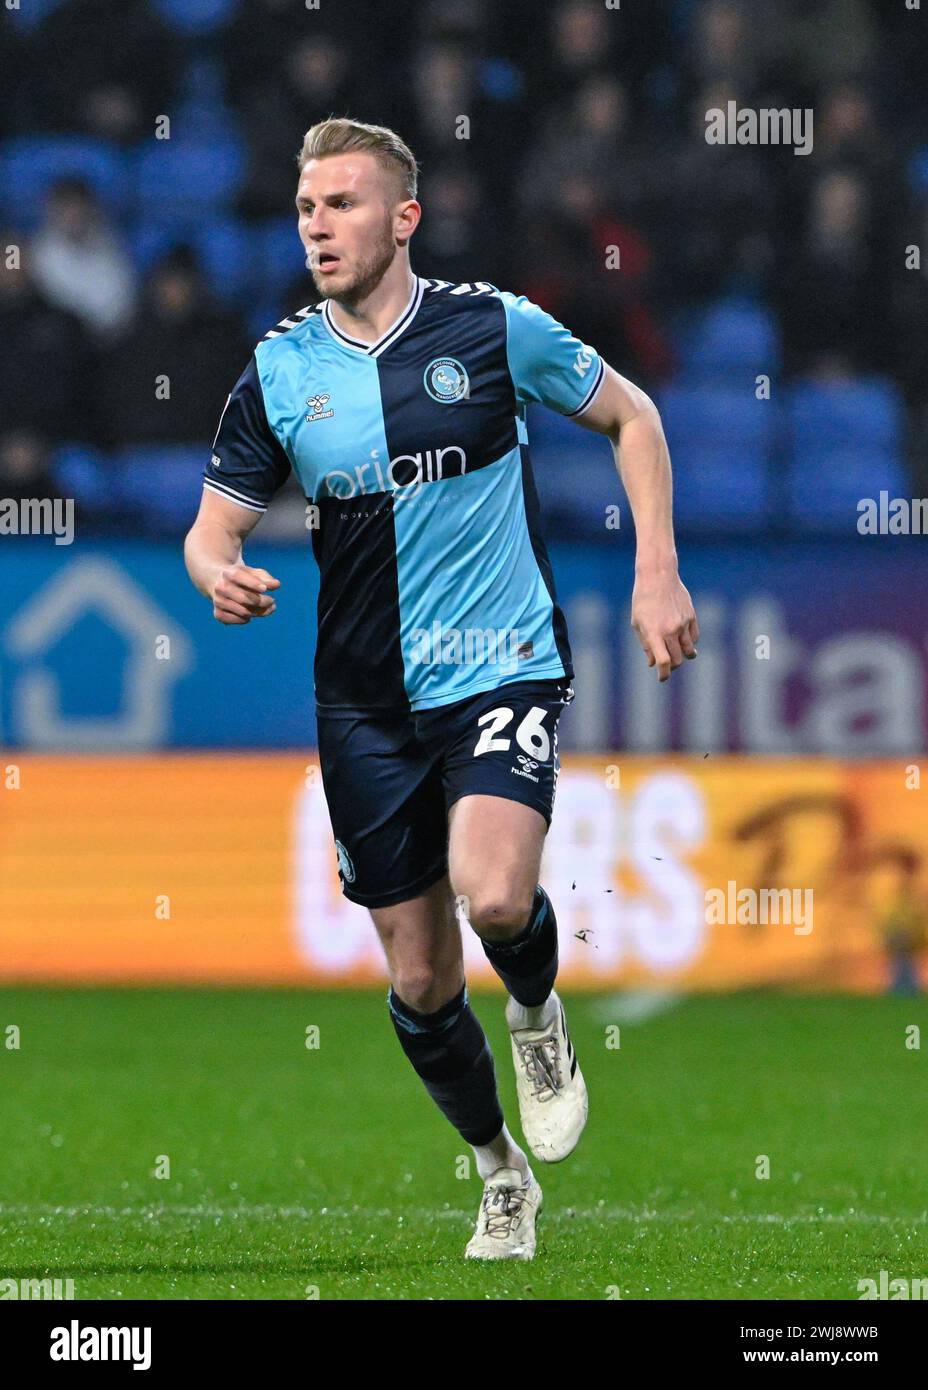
(407, 219)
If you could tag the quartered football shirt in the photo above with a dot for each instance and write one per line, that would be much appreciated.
(435, 583)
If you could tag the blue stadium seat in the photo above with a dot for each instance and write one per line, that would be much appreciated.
(224, 250)
(723, 417)
(575, 475)
(823, 495)
(223, 246)
(280, 259)
(86, 474)
(918, 172)
(723, 442)
(185, 178)
(195, 16)
(202, 112)
(30, 15)
(30, 164)
(714, 492)
(831, 416)
(846, 442)
(500, 79)
(161, 484)
(263, 314)
(732, 335)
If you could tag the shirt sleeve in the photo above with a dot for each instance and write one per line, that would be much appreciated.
(548, 365)
(249, 463)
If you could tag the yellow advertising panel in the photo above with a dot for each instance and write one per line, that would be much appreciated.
(707, 874)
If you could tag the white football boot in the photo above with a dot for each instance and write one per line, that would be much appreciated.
(553, 1100)
(506, 1219)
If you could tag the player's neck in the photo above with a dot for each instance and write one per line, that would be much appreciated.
(370, 318)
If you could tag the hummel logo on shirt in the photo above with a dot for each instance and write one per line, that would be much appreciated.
(317, 406)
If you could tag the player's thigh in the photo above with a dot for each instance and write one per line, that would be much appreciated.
(421, 939)
(386, 806)
(500, 771)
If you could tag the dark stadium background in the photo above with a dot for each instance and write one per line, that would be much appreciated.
(586, 131)
(161, 819)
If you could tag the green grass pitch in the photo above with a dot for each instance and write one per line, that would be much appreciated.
(295, 1170)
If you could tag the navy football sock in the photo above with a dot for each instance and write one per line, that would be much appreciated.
(527, 963)
(449, 1051)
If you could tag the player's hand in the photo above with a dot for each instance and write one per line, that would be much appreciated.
(242, 593)
(665, 621)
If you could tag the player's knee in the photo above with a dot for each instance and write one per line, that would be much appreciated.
(497, 916)
(422, 988)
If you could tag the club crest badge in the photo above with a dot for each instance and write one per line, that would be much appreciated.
(446, 380)
(345, 866)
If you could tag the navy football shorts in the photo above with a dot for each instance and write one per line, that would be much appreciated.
(390, 779)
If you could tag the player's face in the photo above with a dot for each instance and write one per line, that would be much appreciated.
(346, 223)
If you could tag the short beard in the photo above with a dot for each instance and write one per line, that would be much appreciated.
(368, 276)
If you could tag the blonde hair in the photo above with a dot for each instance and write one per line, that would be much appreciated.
(338, 135)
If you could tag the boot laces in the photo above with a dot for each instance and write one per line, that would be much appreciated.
(502, 1208)
(541, 1062)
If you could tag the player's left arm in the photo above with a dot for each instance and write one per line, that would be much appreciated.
(550, 366)
(663, 616)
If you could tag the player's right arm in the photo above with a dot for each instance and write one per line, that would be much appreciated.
(248, 465)
(550, 366)
(213, 555)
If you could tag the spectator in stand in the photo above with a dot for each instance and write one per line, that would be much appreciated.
(714, 228)
(78, 263)
(314, 79)
(901, 921)
(459, 51)
(585, 38)
(262, 32)
(44, 378)
(451, 242)
(833, 286)
(591, 133)
(15, 114)
(848, 136)
(847, 131)
(587, 131)
(44, 354)
(102, 67)
(899, 66)
(182, 339)
(25, 466)
(443, 88)
(594, 273)
(815, 46)
(581, 43)
(910, 337)
(726, 44)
